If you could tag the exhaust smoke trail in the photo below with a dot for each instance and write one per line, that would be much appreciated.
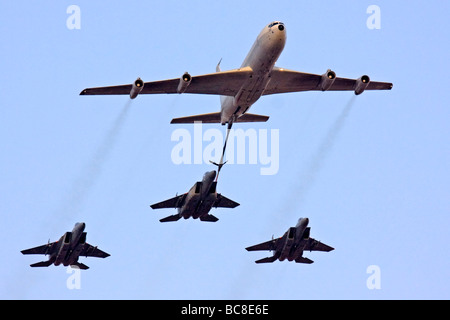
(19, 284)
(303, 183)
(89, 175)
(307, 178)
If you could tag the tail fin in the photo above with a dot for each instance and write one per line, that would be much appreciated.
(222, 98)
(218, 66)
(175, 217)
(41, 264)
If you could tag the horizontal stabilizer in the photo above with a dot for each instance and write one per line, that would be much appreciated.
(303, 260)
(204, 118)
(41, 264)
(267, 260)
(249, 117)
(215, 117)
(79, 265)
(175, 217)
(209, 218)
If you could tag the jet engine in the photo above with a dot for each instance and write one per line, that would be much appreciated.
(361, 84)
(288, 244)
(185, 81)
(136, 88)
(64, 248)
(327, 80)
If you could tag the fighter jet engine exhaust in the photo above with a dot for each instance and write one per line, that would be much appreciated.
(136, 88)
(185, 81)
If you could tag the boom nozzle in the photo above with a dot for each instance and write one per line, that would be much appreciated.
(219, 165)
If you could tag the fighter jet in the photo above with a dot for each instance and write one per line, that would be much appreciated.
(198, 201)
(291, 245)
(67, 250)
(241, 88)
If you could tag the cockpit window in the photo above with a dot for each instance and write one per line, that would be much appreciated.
(273, 24)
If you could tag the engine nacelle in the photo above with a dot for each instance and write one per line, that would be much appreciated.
(185, 81)
(361, 84)
(136, 88)
(288, 244)
(64, 248)
(327, 80)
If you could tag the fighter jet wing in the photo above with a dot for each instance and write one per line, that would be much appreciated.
(91, 251)
(44, 249)
(175, 202)
(268, 245)
(284, 81)
(224, 202)
(314, 245)
(225, 83)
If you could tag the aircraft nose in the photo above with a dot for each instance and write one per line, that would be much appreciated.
(281, 27)
(210, 175)
(81, 224)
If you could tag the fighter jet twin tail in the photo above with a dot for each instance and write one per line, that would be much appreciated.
(238, 89)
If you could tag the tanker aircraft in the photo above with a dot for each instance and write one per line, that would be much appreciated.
(241, 88)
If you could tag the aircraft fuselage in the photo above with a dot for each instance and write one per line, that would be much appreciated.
(69, 246)
(200, 198)
(293, 248)
(261, 59)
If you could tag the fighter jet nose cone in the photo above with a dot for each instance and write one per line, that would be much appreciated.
(81, 225)
(212, 174)
(303, 221)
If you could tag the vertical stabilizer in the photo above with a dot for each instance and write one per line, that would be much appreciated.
(222, 98)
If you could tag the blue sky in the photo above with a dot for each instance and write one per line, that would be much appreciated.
(374, 183)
